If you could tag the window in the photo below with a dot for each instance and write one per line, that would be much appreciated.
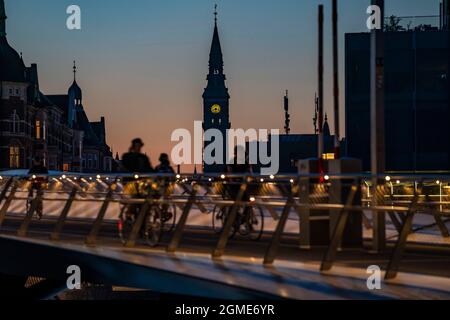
(14, 157)
(89, 161)
(38, 129)
(17, 92)
(15, 123)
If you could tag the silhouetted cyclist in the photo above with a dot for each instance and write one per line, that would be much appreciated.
(135, 161)
(37, 182)
(164, 167)
(239, 167)
(164, 164)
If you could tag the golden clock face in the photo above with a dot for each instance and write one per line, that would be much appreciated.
(216, 109)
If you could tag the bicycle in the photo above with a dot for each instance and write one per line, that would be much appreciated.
(248, 223)
(158, 220)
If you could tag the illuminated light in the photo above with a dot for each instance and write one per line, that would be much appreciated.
(272, 177)
(90, 178)
(107, 178)
(64, 176)
(99, 177)
(262, 180)
(1, 178)
(388, 179)
(75, 178)
(209, 179)
(398, 181)
(292, 180)
(34, 177)
(252, 199)
(178, 176)
(438, 182)
(328, 156)
(327, 178)
(223, 176)
(136, 176)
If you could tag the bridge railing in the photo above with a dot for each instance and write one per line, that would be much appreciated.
(282, 198)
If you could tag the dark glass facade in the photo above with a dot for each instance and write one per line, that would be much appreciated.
(417, 109)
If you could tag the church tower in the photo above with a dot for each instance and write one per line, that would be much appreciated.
(216, 113)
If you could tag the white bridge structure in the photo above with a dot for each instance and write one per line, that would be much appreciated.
(206, 247)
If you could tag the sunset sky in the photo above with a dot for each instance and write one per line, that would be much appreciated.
(143, 63)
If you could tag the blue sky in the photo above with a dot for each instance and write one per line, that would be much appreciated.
(143, 63)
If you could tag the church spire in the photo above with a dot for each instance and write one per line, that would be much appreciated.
(215, 55)
(2, 19)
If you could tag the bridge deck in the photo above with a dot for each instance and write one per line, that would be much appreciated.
(239, 274)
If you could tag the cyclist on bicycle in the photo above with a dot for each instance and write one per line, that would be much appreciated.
(164, 167)
(241, 165)
(136, 162)
(37, 170)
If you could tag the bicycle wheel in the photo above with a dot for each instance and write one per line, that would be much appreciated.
(153, 228)
(252, 224)
(170, 220)
(125, 224)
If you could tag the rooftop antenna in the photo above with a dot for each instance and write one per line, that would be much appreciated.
(287, 116)
(215, 13)
(316, 113)
(74, 70)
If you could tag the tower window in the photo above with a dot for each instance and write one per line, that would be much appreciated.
(14, 157)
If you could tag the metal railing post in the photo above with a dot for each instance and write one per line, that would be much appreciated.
(229, 222)
(176, 238)
(62, 217)
(272, 250)
(137, 226)
(338, 231)
(23, 230)
(392, 269)
(5, 189)
(7, 203)
(91, 239)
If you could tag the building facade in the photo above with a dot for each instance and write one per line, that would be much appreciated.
(417, 98)
(54, 128)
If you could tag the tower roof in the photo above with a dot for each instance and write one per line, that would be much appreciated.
(215, 55)
(326, 127)
(74, 89)
(11, 63)
(2, 19)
